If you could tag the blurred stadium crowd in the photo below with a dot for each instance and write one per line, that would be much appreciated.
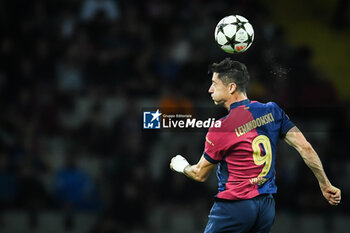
(74, 76)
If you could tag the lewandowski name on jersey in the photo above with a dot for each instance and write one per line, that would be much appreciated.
(260, 121)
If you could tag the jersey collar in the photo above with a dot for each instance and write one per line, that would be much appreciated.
(239, 103)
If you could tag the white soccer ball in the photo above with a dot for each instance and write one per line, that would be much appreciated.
(234, 34)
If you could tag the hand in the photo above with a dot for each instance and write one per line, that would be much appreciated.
(178, 163)
(332, 194)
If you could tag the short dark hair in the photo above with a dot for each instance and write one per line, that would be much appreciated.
(231, 71)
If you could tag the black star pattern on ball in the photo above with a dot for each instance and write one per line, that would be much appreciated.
(239, 24)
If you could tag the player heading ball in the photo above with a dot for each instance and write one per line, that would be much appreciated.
(245, 152)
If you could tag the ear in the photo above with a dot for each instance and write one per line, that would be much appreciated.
(232, 87)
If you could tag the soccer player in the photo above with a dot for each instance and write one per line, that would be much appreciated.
(245, 149)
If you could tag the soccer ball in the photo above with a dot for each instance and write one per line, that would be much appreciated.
(234, 34)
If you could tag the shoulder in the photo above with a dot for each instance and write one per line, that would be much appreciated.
(271, 105)
(218, 125)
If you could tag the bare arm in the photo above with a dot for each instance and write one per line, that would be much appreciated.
(296, 139)
(198, 172)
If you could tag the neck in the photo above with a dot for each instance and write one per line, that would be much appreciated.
(236, 97)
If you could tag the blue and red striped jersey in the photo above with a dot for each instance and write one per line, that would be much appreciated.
(245, 148)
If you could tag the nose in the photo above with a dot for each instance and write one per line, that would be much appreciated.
(210, 89)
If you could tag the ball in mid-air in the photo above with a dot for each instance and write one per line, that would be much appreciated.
(234, 34)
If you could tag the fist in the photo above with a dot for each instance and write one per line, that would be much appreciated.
(332, 194)
(178, 163)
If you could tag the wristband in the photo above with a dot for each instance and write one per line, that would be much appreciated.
(180, 163)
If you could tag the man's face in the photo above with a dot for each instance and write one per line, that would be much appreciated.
(218, 90)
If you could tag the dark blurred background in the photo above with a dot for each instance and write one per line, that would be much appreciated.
(76, 74)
